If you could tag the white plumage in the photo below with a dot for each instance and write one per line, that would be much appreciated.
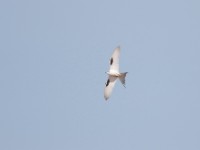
(114, 73)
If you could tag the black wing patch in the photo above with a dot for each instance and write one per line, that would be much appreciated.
(107, 83)
(111, 61)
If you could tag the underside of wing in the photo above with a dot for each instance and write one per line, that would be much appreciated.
(109, 86)
(114, 60)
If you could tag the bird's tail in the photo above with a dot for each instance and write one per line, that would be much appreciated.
(122, 78)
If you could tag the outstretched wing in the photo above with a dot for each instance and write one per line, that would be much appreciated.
(114, 60)
(109, 86)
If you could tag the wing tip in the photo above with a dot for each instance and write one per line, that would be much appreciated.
(118, 46)
(106, 98)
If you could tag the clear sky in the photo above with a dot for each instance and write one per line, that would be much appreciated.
(53, 59)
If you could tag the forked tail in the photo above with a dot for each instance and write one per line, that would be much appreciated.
(122, 78)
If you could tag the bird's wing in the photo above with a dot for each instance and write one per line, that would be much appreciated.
(114, 60)
(109, 86)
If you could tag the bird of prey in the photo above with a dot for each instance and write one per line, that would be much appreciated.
(114, 74)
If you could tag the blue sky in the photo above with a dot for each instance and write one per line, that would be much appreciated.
(53, 58)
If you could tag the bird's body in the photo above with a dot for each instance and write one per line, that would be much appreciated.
(114, 74)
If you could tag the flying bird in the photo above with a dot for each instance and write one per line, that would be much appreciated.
(114, 74)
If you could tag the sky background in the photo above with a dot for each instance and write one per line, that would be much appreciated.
(53, 59)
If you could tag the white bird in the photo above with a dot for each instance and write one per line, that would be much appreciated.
(114, 74)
